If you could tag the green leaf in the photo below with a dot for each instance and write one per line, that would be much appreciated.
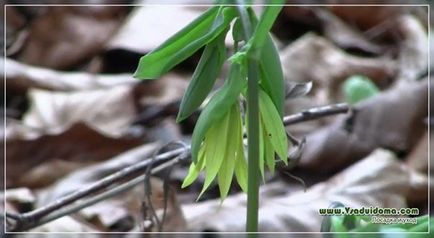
(271, 74)
(421, 227)
(215, 150)
(266, 21)
(240, 162)
(184, 43)
(273, 125)
(232, 143)
(269, 153)
(237, 31)
(261, 148)
(204, 76)
(337, 224)
(194, 170)
(218, 106)
(358, 88)
(241, 169)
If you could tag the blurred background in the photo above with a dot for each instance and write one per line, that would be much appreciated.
(74, 114)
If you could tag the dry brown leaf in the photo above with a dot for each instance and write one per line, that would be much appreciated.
(122, 212)
(413, 47)
(75, 34)
(313, 58)
(77, 146)
(378, 180)
(87, 175)
(418, 158)
(343, 35)
(16, 35)
(368, 17)
(108, 111)
(147, 27)
(393, 119)
(19, 199)
(21, 77)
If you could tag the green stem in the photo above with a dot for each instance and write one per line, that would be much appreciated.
(252, 130)
(253, 147)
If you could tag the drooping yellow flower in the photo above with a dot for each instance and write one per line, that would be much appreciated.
(221, 154)
(222, 151)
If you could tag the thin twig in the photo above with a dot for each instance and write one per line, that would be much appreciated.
(33, 216)
(102, 196)
(51, 211)
(315, 113)
(147, 190)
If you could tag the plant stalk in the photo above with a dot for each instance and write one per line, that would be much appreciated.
(252, 130)
(253, 147)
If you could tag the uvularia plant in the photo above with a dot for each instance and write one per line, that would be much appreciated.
(255, 75)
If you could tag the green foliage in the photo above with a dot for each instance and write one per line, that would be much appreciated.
(217, 141)
(218, 105)
(274, 131)
(184, 43)
(358, 88)
(204, 76)
(348, 224)
(271, 74)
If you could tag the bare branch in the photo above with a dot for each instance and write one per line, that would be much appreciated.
(64, 206)
(29, 218)
(315, 113)
(100, 197)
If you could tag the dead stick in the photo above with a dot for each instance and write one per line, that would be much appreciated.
(100, 197)
(32, 217)
(315, 113)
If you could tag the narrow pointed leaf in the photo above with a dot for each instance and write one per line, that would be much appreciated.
(241, 168)
(215, 151)
(194, 170)
(269, 153)
(261, 149)
(218, 106)
(240, 162)
(260, 34)
(237, 31)
(204, 76)
(227, 169)
(271, 74)
(273, 124)
(184, 43)
(269, 157)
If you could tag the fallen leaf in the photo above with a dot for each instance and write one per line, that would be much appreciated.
(147, 27)
(108, 111)
(378, 180)
(345, 36)
(75, 34)
(413, 47)
(21, 199)
(392, 119)
(121, 212)
(368, 17)
(40, 161)
(332, 66)
(89, 174)
(21, 77)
